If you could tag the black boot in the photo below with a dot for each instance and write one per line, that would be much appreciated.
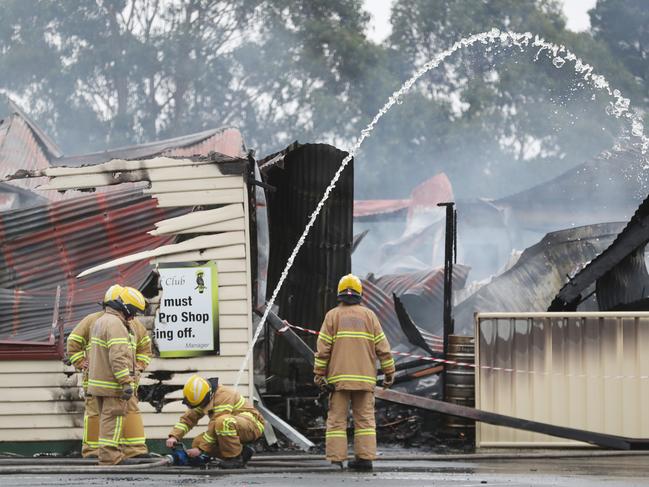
(360, 465)
(232, 463)
(246, 453)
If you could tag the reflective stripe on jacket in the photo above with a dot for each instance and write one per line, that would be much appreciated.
(112, 355)
(350, 341)
(225, 400)
(143, 352)
(78, 343)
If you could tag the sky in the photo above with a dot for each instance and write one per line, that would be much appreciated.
(576, 11)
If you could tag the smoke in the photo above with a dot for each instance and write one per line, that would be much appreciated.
(519, 169)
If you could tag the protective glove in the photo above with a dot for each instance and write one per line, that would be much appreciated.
(127, 391)
(321, 382)
(388, 380)
(194, 452)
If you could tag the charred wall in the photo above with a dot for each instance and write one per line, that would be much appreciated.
(310, 288)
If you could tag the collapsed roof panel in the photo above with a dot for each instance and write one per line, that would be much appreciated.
(538, 274)
(614, 288)
(383, 306)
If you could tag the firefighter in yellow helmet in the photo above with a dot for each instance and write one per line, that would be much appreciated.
(78, 346)
(350, 342)
(234, 422)
(112, 375)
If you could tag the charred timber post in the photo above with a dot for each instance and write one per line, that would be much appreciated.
(450, 243)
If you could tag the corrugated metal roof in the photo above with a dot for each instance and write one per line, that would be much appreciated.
(20, 148)
(382, 304)
(226, 141)
(369, 208)
(48, 245)
(426, 195)
(50, 147)
(25, 147)
(422, 294)
(606, 188)
(13, 197)
(429, 193)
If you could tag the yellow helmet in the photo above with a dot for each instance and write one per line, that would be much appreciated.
(350, 282)
(132, 300)
(195, 391)
(113, 293)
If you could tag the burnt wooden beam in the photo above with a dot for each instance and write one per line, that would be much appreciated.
(591, 437)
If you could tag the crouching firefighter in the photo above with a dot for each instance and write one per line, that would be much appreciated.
(78, 348)
(234, 422)
(349, 343)
(112, 375)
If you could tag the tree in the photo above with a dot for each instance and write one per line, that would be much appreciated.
(511, 121)
(100, 73)
(130, 70)
(312, 63)
(623, 25)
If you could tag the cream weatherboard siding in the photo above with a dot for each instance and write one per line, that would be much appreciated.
(41, 400)
(587, 371)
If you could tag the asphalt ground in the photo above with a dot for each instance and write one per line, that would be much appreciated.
(605, 471)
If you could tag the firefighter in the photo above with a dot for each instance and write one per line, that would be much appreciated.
(78, 345)
(349, 343)
(233, 422)
(112, 373)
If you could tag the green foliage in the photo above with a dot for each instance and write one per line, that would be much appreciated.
(623, 25)
(100, 73)
(514, 120)
(104, 73)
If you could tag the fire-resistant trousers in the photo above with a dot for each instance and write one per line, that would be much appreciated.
(364, 425)
(90, 428)
(111, 423)
(226, 434)
(132, 441)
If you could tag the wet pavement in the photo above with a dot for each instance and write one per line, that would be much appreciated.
(605, 471)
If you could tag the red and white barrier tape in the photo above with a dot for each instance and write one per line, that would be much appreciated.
(436, 347)
(484, 367)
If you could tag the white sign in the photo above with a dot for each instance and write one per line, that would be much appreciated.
(186, 323)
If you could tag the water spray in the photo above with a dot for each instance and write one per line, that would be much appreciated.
(619, 107)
